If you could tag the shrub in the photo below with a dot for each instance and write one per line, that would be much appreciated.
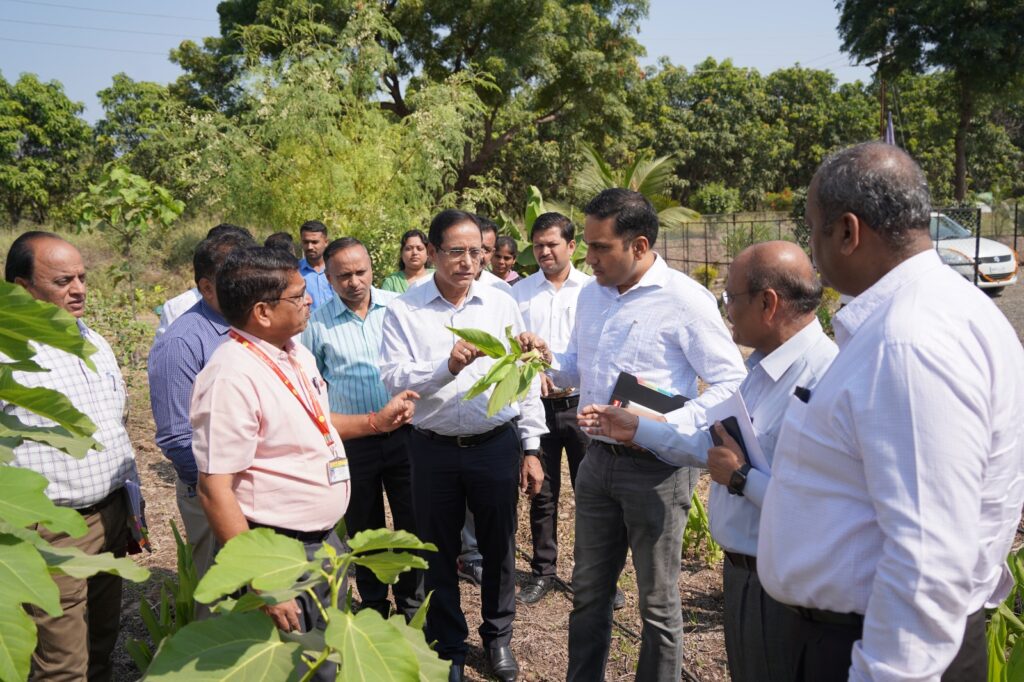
(716, 198)
(705, 274)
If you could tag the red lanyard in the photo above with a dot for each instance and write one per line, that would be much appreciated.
(317, 413)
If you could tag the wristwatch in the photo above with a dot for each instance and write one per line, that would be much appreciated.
(738, 480)
(533, 453)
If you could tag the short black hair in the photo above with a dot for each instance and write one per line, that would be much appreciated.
(212, 251)
(801, 294)
(504, 241)
(21, 256)
(249, 276)
(546, 221)
(486, 224)
(341, 244)
(446, 219)
(409, 234)
(313, 226)
(634, 214)
(281, 240)
(227, 228)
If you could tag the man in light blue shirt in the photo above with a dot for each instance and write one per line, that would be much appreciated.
(344, 336)
(313, 235)
(771, 298)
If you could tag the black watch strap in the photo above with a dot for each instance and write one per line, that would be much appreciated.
(738, 480)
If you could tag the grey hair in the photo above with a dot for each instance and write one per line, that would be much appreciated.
(880, 184)
(802, 295)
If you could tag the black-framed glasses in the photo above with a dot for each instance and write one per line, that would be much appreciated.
(458, 253)
(727, 297)
(298, 299)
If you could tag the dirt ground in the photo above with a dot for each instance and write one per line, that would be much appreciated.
(540, 630)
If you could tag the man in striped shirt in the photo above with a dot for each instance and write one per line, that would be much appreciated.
(344, 336)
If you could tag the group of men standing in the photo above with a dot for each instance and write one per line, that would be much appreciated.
(866, 549)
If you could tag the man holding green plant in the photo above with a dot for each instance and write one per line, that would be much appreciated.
(462, 452)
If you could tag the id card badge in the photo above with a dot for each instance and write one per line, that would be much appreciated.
(337, 470)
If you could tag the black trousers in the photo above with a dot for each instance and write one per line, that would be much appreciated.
(823, 652)
(446, 479)
(563, 433)
(380, 464)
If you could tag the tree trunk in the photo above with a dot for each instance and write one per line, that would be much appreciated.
(966, 112)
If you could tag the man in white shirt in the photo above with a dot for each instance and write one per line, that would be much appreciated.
(459, 456)
(642, 318)
(547, 300)
(896, 488)
(771, 297)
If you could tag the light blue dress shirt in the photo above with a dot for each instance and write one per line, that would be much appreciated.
(317, 285)
(766, 390)
(347, 352)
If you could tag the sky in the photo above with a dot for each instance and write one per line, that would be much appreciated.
(83, 43)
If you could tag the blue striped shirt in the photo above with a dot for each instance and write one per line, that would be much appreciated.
(317, 286)
(347, 352)
(174, 361)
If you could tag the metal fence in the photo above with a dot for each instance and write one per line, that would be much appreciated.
(705, 248)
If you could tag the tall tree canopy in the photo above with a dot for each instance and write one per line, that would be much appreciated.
(978, 42)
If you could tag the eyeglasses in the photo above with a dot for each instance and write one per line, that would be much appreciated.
(727, 297)
(459, 253)
(299, 299)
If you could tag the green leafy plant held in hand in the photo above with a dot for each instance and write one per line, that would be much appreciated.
(511, 374)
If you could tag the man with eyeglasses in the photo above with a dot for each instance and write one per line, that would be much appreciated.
(267, 453)
(460, 456)
(771, 298)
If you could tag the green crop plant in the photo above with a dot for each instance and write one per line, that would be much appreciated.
(698, 532)
(511, 374)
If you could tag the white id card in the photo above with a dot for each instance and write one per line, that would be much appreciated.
(337, 470)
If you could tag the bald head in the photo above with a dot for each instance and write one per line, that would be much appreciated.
(49, 268)
(782, 267)
(879, 183)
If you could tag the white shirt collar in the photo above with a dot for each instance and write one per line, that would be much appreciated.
(776, 363)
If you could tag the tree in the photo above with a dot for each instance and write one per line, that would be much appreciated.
(131, 110)
(978, 43)
(43, 144)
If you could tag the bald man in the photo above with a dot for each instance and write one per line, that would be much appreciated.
(771, 298)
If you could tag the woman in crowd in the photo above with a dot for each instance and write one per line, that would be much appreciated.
(412, 263)
(504, 260)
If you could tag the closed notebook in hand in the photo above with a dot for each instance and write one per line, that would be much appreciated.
(641, 396)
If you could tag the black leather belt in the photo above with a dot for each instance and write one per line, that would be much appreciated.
(380, 436)
(465, 441)
(742, 561)
(102, 504)
(828, 617)
(307, 537)
(623, 451)
(560, 404)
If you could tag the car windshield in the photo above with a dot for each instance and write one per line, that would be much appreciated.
(944, 227)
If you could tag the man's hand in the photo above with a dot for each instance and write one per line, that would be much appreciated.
(463, 354)
(531, 475)
(616, 423)
(530, 341)
(726, 458)
(547, 386)
(285, 615)
(398, 412)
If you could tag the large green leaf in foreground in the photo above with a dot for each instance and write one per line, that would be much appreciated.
(261, 557)
(372, 649)
(13, 432)
(47, 403)
(244, 647)
(25, 318)
(22, 503)
(23, 580)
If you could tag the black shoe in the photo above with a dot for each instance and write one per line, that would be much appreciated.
(456, 673)
(535, 589)
(503, 663)
(472, 570)
(620, 599)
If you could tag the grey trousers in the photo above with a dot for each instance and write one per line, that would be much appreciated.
(625, 503)
(755, 629)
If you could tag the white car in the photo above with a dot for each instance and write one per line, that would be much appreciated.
(997, 263)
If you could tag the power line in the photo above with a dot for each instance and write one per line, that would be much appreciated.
(97, 28)
(34, 3)
(80, 47)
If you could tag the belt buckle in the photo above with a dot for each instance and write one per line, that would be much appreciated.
(461, 444)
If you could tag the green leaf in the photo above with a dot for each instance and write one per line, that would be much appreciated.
(384, 538)
(244, 647)
(371, 648)
(23, 318)
(13, 431)
(1015, 662)
(496, 373)
(431, 667)
(504, 392)
(534, 207)
(259, 557)
(23, 503)
(526, 376)
(46, 403)
(419, 619)
(77, 564)
(488, 345)
(387, 566)
(17, 641)
(513, 342)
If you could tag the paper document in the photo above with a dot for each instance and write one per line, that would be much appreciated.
(641, 397)
(733, 406)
